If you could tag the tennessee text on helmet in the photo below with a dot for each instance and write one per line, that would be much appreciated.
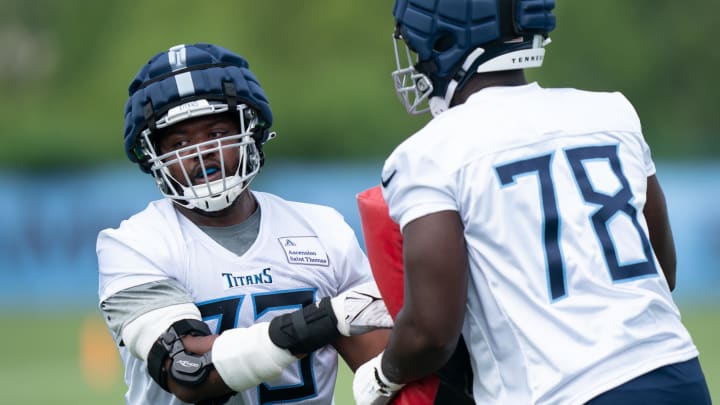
(190, 81)
(452, 39)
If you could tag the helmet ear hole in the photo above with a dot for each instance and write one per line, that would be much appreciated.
(443, 42)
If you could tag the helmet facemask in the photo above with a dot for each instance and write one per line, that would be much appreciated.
(415, 89)
(203, 177)
(412, 87)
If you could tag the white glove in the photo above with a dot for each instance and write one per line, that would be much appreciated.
(371, 387)
(360, 310)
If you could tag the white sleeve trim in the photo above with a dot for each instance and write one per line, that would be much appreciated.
(421, 210)
(140, 334)
(245, 357)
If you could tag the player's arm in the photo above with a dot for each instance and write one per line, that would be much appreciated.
(295, 333)
(185, 359)
(195, 368)
(139, 315)
(428, 326)
(245, 357)
(363, 323)
(661, 236)
(356, 350)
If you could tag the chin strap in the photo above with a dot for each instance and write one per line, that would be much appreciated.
(438, 105)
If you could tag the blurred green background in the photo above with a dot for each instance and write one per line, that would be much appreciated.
(325, 65)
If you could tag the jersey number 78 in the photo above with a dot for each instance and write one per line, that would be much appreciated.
(608, 207)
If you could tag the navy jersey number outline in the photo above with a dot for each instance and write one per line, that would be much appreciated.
(227, 311)
(609, 206)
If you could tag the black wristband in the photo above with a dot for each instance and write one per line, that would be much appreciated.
(305, 330)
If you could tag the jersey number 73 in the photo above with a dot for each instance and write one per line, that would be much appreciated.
(226, 311)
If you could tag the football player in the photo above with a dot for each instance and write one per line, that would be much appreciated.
(533, 224)
(216, 293)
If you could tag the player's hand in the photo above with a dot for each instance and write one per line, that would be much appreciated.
(360, 310)
(371, 387)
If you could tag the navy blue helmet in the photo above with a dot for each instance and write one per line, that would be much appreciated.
(452, 39)
(189, 81)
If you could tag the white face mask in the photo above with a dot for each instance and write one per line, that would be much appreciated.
(412, 87)
(212, 185)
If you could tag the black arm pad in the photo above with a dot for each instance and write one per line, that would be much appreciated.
(305, 330)
(169, 344)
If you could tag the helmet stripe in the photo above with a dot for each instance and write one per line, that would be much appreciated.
(184, 84)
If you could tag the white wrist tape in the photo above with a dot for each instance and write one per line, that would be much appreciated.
(245, 357)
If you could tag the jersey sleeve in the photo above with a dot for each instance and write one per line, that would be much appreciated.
(415, 185)
(635, 125)
(647, 158)
(136, 253)
(127, 305)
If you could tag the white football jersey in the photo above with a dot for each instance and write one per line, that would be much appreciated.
(566, 298)
(303, 252)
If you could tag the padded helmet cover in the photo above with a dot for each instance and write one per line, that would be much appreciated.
(444, 32)
(185, 73)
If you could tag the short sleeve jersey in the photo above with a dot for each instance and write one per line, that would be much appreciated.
(303, 252)
(566, 298)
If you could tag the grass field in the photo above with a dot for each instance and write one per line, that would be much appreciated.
(69, 359)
